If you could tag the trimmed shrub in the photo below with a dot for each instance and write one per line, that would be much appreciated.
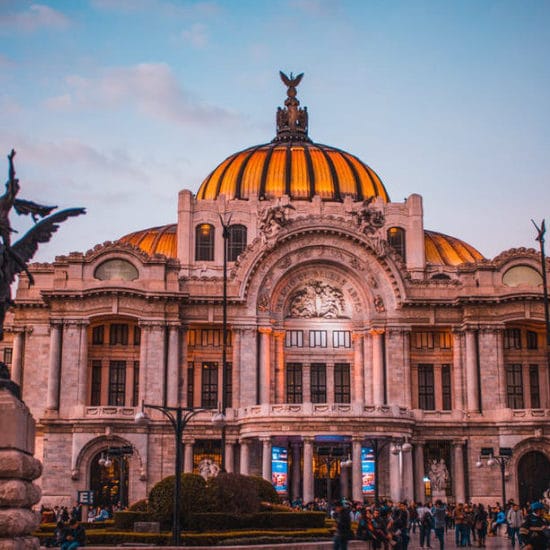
(193, 500)
(124, 520)
(139, 506)
(265, 490)
(233, 493)
(264, 520)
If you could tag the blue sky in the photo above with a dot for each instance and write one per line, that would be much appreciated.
(116, 105)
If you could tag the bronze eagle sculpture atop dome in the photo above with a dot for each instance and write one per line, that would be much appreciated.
(15, 258)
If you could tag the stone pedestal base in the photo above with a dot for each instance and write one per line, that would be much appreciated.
(20, 543)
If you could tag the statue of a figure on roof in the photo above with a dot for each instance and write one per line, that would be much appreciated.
(15, 258)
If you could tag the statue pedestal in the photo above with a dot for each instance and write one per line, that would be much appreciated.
(439, 494)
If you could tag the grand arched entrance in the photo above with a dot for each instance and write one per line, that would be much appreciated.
(533, 476)
(109, 478)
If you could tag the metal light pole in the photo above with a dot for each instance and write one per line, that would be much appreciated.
(540, 238)
(504, 456)
(179, 417)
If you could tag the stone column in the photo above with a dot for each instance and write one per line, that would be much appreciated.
(458, 471)
(230, 455)
(367, 362)
(145, 329)
(54, 368)
(245, 457)
(296, 470)
(82, 395)
(501, 368)
(188, 443)
(173, 381)
(266, 458)
(344, 481)
(18, 469)
(184, 372)
(396, 473)
(472, 383)
(407, 369)
(308, 492)
(358, 385)
(419, 491)
(236, 361)
(279, 336)
(248, 372)
(378, 366)
(407, 484)
(457, 390)
(17, 358)
(356, 472)
(265, 364)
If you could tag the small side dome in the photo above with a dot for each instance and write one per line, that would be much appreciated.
(155, 240)
(445, 250)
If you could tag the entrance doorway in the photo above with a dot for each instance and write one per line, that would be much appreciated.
(533, 476)
(109, 480)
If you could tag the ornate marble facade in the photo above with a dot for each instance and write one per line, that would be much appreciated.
(348, 323)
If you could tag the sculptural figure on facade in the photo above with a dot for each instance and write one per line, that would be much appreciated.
(369, 219)
(15, 258)
(438, 474)
(272, 218)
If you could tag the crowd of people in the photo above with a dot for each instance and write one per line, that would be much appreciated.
(392, 525)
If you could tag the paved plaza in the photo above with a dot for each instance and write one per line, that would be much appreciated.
(497, 542)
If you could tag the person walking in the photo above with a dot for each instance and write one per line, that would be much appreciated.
(480, 525)
(532, 530)
(514, 517)
(458, 517)
(425, 524)
(343, 527)
(439, 512)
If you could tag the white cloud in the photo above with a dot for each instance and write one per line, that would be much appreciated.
(196, 36)
(35, 17)
(151, 88)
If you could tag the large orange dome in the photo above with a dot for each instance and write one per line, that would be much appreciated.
(292, 165)
(299, 169)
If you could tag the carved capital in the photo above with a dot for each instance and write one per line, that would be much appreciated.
(279, 334)
(357, 336)
(265, 330)
(377, 331)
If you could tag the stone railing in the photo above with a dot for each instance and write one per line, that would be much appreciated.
(319, 410)
(110, 412)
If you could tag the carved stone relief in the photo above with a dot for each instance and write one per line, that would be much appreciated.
(317, 299)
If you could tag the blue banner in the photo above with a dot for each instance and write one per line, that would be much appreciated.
(279, 469)
(367, 470)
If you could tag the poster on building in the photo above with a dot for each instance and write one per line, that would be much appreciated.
(279, 469)
(367, 470)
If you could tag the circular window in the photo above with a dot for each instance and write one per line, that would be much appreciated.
(522, 275)
(120, 270)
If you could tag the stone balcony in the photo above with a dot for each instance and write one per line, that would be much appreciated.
(320, 410)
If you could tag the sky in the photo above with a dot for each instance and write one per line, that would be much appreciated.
(116, 105)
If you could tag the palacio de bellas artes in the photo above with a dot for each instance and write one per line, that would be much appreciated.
(332, 344)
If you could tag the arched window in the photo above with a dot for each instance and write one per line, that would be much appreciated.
(396, 239)
(236, 242)
(204, 242)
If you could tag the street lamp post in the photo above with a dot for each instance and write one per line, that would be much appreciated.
(541, 231)
(179, 417)
(504, 456)
(398, 447)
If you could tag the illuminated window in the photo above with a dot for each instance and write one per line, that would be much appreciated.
(396, 239)
(318, 375)
(342, 387)
(236, 242)
(204, 242)
(294, 383)
(426, 396)
(514, 386)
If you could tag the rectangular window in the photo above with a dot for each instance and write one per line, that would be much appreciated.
(423, 340)
(342, 387)
(135, 392)
(318, 379)
(446, 387)
(534, 388)
(317, 338)
(426, 396)
(8, 354)
(512, 338)
(209, 390)
(98, 335)
(117, 383)
(532, 340)
(514, 386)
(341, 339)
(137, 336)
(95, 398)
(228, 384)
(118, 334)
(294, 383)
(190, 384)
(445, 340)
(294, 339)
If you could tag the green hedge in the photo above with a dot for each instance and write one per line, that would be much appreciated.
(262, 520)
(124, 520)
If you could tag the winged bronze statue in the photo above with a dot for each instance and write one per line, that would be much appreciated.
(15, 258)
(291, 81)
